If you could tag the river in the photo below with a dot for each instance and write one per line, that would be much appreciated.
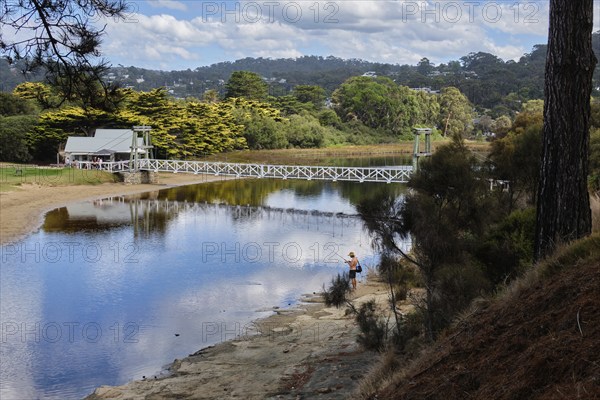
(116, 289)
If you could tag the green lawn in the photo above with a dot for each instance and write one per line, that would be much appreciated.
(14, 175)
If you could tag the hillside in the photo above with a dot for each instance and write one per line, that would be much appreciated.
(541, 340)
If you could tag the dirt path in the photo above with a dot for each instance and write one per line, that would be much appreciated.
(22, 210)
(310, 351)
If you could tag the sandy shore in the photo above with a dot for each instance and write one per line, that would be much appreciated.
(22, 210)
(305, 352)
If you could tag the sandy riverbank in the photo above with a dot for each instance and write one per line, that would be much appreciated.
(305, 352)
(22, 210)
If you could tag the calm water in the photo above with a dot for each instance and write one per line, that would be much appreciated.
(112, 290)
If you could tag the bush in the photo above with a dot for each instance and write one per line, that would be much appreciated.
(456, 286)
(337, 293)
(13, 137)
(305, 131)
(263, 132)
(507, 249)
(408, 338)
(373, 329)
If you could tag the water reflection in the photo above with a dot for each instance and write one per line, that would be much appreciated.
(99, 294)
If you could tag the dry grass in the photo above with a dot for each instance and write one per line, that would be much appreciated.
(330, 155)
(391, 370)
(380, 375)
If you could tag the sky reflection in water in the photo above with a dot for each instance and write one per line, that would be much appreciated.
(112, 290)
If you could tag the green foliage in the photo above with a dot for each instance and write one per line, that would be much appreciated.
(305, 131)
(312, 94)
(289, 105)
(338, 291)
(515, 157)
(456, 113)
(11, 104)
(507, 248)
(377, 103)
(373, 330)
(264, 127)
(456, 286)
(329, 117)
(246, 84)
(445, 214)
(14, 131)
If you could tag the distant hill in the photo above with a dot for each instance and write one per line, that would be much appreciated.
(488, 81)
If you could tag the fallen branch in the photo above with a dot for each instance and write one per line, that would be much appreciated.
(578, 324)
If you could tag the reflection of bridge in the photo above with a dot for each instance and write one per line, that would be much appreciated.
(292, 215)
(399, 174)
(141, 211)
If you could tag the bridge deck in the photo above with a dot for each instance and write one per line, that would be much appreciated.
(393, 174)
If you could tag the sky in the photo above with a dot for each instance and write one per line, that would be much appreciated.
(182, 34)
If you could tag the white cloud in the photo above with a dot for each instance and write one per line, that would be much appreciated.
(386, 31)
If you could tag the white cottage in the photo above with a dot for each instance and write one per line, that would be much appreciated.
(106, 144)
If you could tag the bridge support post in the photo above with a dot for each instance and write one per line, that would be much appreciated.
(138, 177)
(417, 153)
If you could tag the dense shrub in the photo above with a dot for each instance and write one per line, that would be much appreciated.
(263, 132)
(456, 286)
(14, 132)
(338, 291)
(305, 131)
(372, 327)
(507, 249)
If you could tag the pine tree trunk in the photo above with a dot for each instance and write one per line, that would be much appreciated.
(563, 209)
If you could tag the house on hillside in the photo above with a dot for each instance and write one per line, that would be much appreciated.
(106, 144)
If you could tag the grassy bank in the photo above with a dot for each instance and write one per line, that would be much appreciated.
(14, 175)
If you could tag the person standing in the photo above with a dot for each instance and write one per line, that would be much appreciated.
(352, 262)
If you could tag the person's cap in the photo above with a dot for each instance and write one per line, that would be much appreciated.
(351, 254)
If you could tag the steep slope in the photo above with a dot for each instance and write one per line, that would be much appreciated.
(541, 340)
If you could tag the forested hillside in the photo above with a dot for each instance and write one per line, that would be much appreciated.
(488, 81)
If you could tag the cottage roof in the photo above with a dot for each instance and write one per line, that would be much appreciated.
(105, 141)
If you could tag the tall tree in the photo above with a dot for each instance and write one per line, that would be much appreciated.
(563, 208)
(246, 84)
(456, 113)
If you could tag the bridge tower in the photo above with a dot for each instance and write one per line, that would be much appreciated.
(417, 153)
(143, 132)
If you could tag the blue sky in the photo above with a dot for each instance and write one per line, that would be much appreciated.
(182, 34)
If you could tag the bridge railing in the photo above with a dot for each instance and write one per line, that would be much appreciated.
(117, 166)
(356, 174)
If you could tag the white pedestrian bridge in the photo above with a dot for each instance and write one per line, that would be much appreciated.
(387, 174)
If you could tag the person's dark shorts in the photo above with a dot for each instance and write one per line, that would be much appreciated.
(352, 274)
